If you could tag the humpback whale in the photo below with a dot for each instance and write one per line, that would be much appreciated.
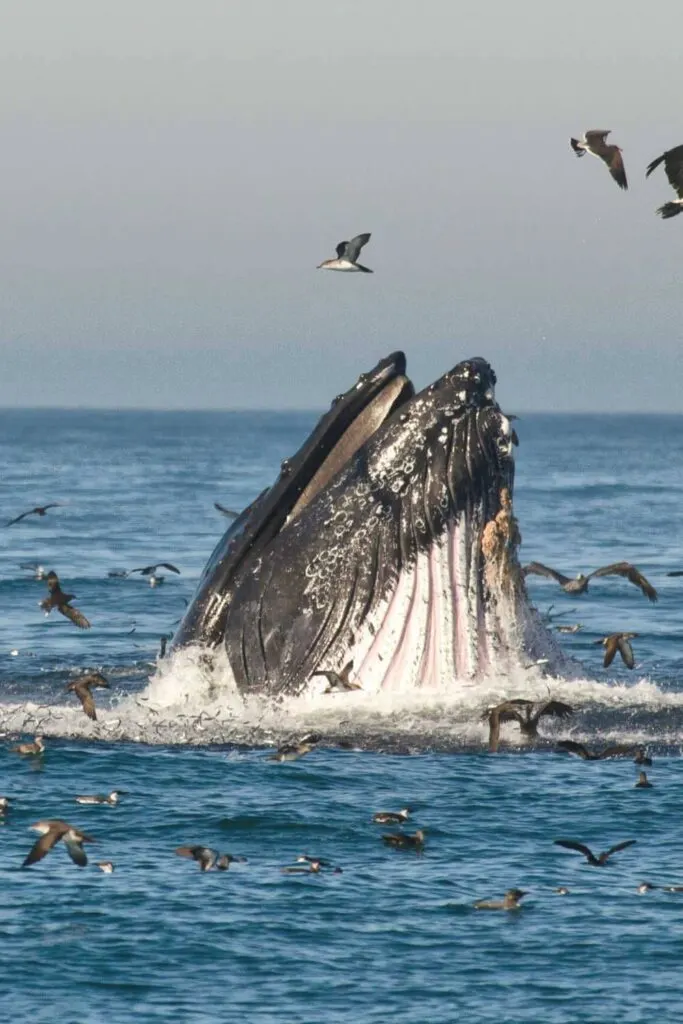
(388, 541)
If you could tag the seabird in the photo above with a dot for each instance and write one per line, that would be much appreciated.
(510, 901)
(106, 866)
(579, 585)
(391, 817)
(646, 887)
(347, 255)
(226, 511)
(314, 866)
(37, 570)
(642, 758)
(678, 572)
(5, 801)
(618, 750)
(404, 840)
(51, 832)
(643, 782)
(673, 165)
(618, 642)
(576, 628)
(602, 858)
(100, 798)
(82, 688)
(30, 749)
(293, 751)
(339, 682)
(61, 601)
(594, 142)
(208, 858)
(150, 570)
(40, 510)
(526, 712)
(561, 890)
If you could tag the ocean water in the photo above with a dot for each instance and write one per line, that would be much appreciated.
(394, 935)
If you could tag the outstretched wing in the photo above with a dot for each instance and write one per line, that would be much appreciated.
(626, 652)
(612, 157)
(673, 166)
(611, 647)
(167, 565)
(572, 747)
(618, 750)
(86, 699)
(42, 846)
(19, 518)
(631, 574)
(341, 249)
(76, 852)
(619, 846)
(354, 247)
(570, 844)
(537, 569)
(76, 616)
(595, 138)
(226, 511)
(555, 708)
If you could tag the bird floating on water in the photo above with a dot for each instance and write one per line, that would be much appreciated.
(402, 840)
(527, 713)
(293, 751)
(62, 602)
(51, 832)
(5, 802)
(82, 688)
(618, 642)
(579, 585)
(510, 901)
(105, 866)
(111, 799)
(391, 817)
(642, 758)
(602, 858)
(643, 781)
(39, 510)
(347, 256)
(617, 750)
(594, 142)
(207, 858)
(576, 628)
(30, 749)
(673, 165)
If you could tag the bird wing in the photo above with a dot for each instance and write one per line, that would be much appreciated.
(673, 165)
(76, 852)
(619, 846)
(341, 249)
(612, 157)
(86, 699)
(167, 565)
(618, 750)
(54, 504)
(494, 731)
(76, 616)
(542, 570)
(93, 679)
(611, 646)
(19, 518)
(226, 511)
(52, 581)
(44, 844)
(192, 852)
(626, 652)
(555, 708)
(354, 247)
(595, 138)
(574, 748)
(631, 574)
(570, 844)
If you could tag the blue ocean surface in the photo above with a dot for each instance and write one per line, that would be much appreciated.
(394, 936)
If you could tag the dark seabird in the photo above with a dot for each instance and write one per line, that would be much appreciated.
(618, 642)
(642, 758)
(673, 165)
(510, 901)
(527, 713)
(40, 510)
(594, 142)
(576, 628)
(339, 682)
(30, 749)
(391, 817)
(82, 688)
(208, 858)
(37, 570)
(646, 887)
(226, 511)
(618, 750)
(602, 858)
(111, 799)
(61, 601)
(561, 890)
(405, 841)
(579, 585)
(678, 572)
(293, 751)
(643, 781)
(672, 888)
(347, 256)
(105, 866)
(150, 570)
(51, 832)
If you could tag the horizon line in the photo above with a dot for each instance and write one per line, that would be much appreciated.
(168, 410)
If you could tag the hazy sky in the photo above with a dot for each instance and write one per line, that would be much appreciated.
(173, 171)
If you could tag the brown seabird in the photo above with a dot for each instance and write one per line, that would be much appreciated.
(51, 832)
(602, 858)
(39, 510)
(579, 585)
(617, 750)
(293, 751)
(61, 601)
(347, 256)
(33, 749)
(673, 165)
(594, 142)
(82, 688)
(339, 682)
(527, 713)
(208, 858)
(618, 642)
(510, 901)
(404, 841)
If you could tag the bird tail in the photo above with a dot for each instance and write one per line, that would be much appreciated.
(670, 210)
(578, 149)
(655, 163)
(366, 270)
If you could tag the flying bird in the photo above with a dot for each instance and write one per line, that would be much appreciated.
(150, 570)
(226, 511)
(510, 901)
(602, 858)
(208, 858)
(39, 510)
(527, 713)
(673, 165)
(618, 642)
(338, 682)
(82, 687)
(579, 585)
(347, 256)
(61, 601)
(37, 570)
(618, 750)
(595, 142)
(51, 832)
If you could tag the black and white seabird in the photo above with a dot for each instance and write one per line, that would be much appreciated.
(82, 688)
(579, 585)
(594, 142)
(207, 858)
(61, 601)
(313, 866)
(602, 858)
(391, 817)
(51, 832)
(618, 642)
(347, 256)
(402, 840)
(39, 510)
(30, 749)
(111, 799)
(293, 751)
(527, 713)
(510, 901)
(105, 866)
(618, 750)
(673, 165)
(643, 781)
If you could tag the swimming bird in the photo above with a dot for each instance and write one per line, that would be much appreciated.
(579, 585)
(314, 865)
(526, 713)
(51, 832)
(347, 256)
(61, 601)
(510, 901)
(208, 858)
(226, 511)
(111, 799)
(39, 510)
(105, 866)
(293, 751)
(618, 750)
(643, 781)
(594, 142)
(30, 749)
(5, 802)
(561, 890)
(646, 887)
(339, 682)
(642, 758)
(82, 688)
(673, 165)
(37, 570)
(576, 628)
(391, 817)
(405, 841)
(618, 642)
(602, 858)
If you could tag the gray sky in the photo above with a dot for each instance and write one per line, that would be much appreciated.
(173, 171)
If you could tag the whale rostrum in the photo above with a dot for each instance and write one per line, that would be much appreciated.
(387, 543)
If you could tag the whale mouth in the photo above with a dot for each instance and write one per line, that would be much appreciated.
(386, 549)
